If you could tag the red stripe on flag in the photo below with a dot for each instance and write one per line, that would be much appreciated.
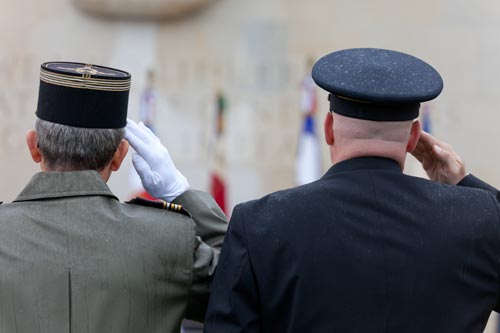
(218, 191)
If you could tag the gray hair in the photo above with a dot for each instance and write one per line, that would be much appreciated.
(67, 148)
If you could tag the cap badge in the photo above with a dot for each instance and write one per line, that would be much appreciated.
(86, 71)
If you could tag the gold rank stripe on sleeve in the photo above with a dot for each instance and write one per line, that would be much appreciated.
(85, 81)
(159, 204)
(172, 207)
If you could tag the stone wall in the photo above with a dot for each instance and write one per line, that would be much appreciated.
(257, 54)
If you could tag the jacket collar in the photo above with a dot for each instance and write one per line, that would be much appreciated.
(49, 185)
(364, 163)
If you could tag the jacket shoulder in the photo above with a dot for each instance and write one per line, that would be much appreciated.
(159, 204)
(280, 203)
(473, 182)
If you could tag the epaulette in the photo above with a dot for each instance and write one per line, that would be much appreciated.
(160, 204)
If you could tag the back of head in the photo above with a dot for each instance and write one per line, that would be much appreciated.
(360, 129)
(82, 112)
(68, 148)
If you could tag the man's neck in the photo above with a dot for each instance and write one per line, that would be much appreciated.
(105, 173)
(369, 148)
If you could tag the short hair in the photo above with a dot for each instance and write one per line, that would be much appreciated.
(67, 148)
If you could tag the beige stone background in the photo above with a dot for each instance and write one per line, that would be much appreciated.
(256, 51)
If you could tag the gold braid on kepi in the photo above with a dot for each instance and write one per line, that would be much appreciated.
(83, 95)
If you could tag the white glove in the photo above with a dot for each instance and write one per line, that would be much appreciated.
(152, 162)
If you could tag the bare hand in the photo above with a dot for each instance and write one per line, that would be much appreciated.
(439, 160)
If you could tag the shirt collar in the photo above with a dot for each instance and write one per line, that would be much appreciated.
(364, 163)
(55, 184)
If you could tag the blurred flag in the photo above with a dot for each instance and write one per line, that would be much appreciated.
(147, 110)
(147, 114)
(308, 158)
(308, 99)
(426, 118)
(218, 156)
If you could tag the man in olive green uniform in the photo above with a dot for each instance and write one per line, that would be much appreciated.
(75, 259)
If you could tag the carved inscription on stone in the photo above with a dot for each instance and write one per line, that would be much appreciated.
(17, 101)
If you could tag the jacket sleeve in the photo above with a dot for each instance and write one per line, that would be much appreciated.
(210, 229)
(474, 182)
(497, 307)
(234, 303)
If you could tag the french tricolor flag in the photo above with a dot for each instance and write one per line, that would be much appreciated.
(218, 187)
(308, 156)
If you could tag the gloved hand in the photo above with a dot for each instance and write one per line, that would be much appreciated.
(152, 162)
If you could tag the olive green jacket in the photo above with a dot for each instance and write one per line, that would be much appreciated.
(75, 259)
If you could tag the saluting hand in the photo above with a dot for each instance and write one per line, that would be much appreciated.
(152, 162)
(439, 160)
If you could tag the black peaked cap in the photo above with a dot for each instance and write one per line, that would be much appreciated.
(376, 84)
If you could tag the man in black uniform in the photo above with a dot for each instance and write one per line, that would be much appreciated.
(366, 248)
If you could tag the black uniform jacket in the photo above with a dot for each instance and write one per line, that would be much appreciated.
(364, 249)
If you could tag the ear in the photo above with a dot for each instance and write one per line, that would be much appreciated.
(32, 143)
(119, 155)
(415, 132)
(328, 128)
